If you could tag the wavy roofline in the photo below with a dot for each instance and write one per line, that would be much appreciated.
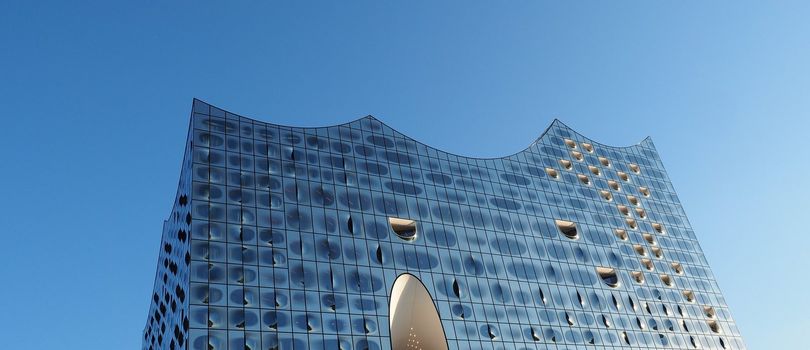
(554, 123)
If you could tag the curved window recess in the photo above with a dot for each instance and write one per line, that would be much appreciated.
(657, 252)
(553, 173)
(709, 312)
(641, 213)
(570, 143)
(633, 200)
(588, 147)
(492, 332)
(631, 223)
(577, 155)
(623, 209)
(723, 343)
(566, 164)
(639, 249)
(689, 296)
(404, 228)
(414, 318)
(535, 335)
(714, 326)
(567, 228)
(637, 276)
(693, 342)
(625, 338)
(604, 161)
(644, 191)
(667, 280)
(634, 168)
(569, 319)
(666, 311)
(621, 234)
(623, 176)
(609, 276)
(594, 170)
(677, 267)
(379, 254)
(632, 303)
(584, 179)
(605, 321)
(640, 324)
(658, 228)
(680, 311)
(606, 195)
(649, 238)
(648, 264)
(614, 185)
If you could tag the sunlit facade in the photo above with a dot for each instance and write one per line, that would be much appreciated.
(356, 236)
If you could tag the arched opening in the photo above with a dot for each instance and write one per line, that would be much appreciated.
(608, 275)
(567, 228)
(404, 228)
(413, 317)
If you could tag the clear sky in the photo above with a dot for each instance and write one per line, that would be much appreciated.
(95, 98)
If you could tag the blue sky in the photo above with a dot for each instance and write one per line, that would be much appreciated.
(95, 100)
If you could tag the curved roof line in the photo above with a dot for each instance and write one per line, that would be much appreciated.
(644, 140)
(555, 123)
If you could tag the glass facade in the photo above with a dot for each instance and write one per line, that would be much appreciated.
(293, 238)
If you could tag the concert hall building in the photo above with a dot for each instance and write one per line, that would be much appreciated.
(356, 236)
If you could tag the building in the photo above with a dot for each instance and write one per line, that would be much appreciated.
(357, 237)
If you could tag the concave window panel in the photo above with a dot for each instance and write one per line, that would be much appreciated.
(614, 185)
(609, 276)
(606, 195)
(648, 264)
(709, 312)
(604, 161)
(657, 252)
(677, 267)
(639, 249)
(631, 223)
(577, 155)
(587, 147)
(667, 280)
(644, 191)
(553, 173)
(566, 164)
(649, 238)
(637, 276)
(689, 296)
(622, 175)
(658, 228)
(584, 179)
(567, 228)
(633, 200)
(414, 320)
(570, 143)
(404, 228)
(641, 213)
(634, 168)
(620, 234)
(714, 326)
(623, 209)
(594, 170)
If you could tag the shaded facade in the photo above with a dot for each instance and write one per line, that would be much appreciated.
(357, 237)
